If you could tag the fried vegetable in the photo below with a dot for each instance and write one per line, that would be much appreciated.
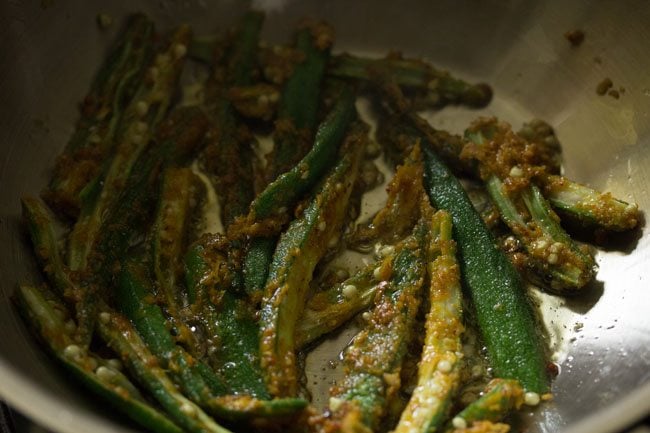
(228, 156)
(229, 321)
(501, 396)
(101, 112)
(299, 99)
(43, 312)
(437, 88)
(440, 364)
(560, 263)
(505, 317)
(141, 118)
(299, 250)
(372, 362)
(290, 186)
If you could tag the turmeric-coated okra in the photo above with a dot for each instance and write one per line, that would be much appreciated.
(508, 170)
(101, 113)
(373, 360)
(298, 251)
(45, 315)
(137, 126)
(439, 370)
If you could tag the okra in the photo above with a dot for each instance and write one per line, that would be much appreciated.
(402, 210)
(178, 198)
(298, 104)
(101, 112)
(588, 207)
(121, 336)
(42, 230)
(373, 360)
(288, 187)
(135, 300)
(437, 87)
(230, 325)
(504, 315)
(196, 380)
(501, 396)
(124, 222)
(140, 119)
(440, 365)
(45, 315)
(228, 156)
(299, 250)
(563, 266)
(328, 310)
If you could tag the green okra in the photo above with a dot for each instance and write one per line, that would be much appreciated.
(230, 325)
(42, 230)
(373, 360)
(299, 101)
(561, 264)
(135, 299)
(43, 313)
(588, 207)
(328, 310)
(298, 251)
(228, 156)
(128, 220)
(504, 314)
(174, 218)
(141, 118)
(501, 396)
(290, 186)
(438, 87)
(121, 336)
(440, 366)
(101, 112)
(256, 264)
(198, 382)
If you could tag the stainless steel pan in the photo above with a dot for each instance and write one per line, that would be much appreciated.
(50, 49)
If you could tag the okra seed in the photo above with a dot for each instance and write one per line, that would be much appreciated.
(141, 108)
(104, 317)
(459, 422)
(531, 398)
(104, 373)
(350, 291)
(335, 403)
(556, 247)
(541, 244)
(70, 326)
(377, 272)
(322, 225)
(516, 171)
(179, 50)
(552, 259)
(72, 351)
(444, 366)
(188, 409)
(115, 364)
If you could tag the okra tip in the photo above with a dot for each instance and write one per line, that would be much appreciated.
(478, 96)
